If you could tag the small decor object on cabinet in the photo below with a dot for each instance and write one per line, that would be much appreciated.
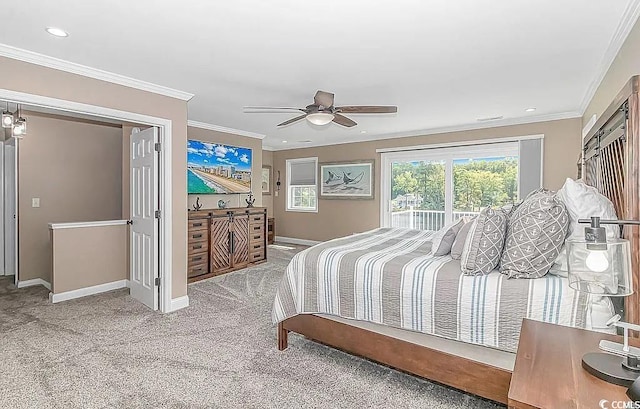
(250, 200)
(222, 204)
(266, 180)
(198, 205)
(347, 180)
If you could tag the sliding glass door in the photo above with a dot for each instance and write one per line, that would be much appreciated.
(417, 194)
(426, 189)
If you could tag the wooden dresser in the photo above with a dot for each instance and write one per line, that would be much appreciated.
(224, 240)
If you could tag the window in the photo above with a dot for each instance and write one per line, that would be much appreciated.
(302, 185)
(428, 188)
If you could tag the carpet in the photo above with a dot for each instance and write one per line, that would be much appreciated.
(109, 351)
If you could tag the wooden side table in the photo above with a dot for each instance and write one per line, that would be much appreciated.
(548, 372)
(271, 230)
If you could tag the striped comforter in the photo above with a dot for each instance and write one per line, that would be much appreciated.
(388, 276)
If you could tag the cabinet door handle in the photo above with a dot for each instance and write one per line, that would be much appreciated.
(196, 258)
(197, 224)
(256, 246)
(231, 242)
(197, 236)
(256, 236)
(199, 246)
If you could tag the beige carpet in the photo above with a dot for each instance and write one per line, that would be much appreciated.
(109, 351)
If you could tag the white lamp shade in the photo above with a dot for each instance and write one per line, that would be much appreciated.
(320, 118)
(602, 269)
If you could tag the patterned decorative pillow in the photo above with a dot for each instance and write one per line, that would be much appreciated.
(443, 239)
(535, 235)
(461, 238)
(482, 249)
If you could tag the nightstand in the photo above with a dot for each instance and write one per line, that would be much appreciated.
(548, 372)
(271, 230)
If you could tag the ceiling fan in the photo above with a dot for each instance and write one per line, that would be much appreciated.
(322, 111)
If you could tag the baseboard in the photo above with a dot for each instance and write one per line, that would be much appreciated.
(293, 240)
(179, 303)
(33, 282)
(83, 292)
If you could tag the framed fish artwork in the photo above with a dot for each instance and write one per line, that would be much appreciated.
(347, 180)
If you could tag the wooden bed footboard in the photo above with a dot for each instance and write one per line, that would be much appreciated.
(470, 376)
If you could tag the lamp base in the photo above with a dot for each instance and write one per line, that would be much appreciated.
(608, 368)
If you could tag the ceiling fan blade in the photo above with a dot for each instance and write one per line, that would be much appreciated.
(267, 109)
(290, 121)
(343, 120)
(323, 98)
(368, 109)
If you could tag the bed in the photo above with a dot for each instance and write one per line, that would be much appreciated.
(387, 282)
(448, 336)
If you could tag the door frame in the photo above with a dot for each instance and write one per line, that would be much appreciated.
(164, 180)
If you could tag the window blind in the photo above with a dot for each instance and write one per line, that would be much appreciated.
(303, 173)
(530, 172)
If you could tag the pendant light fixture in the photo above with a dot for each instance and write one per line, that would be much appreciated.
(14, 120)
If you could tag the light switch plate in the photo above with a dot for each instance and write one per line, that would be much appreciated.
(277, 193)
(35, 202)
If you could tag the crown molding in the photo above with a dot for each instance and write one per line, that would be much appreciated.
(217, 128)
(95, 73)
(629, 19)
(268, 148)
(446, 129)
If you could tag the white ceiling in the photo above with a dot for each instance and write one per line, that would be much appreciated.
(444, 63)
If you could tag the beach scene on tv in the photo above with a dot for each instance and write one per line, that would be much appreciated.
(215, 168)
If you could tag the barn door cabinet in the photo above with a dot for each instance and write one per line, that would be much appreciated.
(225, 240)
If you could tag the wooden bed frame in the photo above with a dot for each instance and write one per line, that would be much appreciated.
(611, 162)
(470, 376)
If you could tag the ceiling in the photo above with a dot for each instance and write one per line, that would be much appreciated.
(444, 63)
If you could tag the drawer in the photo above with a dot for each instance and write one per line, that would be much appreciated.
(198, 236)
(198, 258)
(256, 246)
(257, 236)
(257, 256)
(197, 247)
(197, 270)
(198, 224)
(256, 218)
(256, 229)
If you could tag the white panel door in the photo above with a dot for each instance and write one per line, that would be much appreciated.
(10, 207)
(144, 230)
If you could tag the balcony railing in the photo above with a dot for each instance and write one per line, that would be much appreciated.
(424, 219)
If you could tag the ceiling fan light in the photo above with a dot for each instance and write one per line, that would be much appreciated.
(7, 119)
(320, 118)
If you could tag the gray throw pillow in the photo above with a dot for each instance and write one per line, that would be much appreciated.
(535, 235)
(482, 249)
(461, 237)
(443, 239)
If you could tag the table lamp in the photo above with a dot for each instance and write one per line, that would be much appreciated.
(601, 266)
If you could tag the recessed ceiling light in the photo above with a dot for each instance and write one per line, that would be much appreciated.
(58, 32)
(363, 131)
(284, 141)
(529, 110)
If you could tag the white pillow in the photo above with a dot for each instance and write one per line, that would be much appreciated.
(584, 201)
(444, 238)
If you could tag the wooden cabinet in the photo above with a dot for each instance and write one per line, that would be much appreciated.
(225, 240)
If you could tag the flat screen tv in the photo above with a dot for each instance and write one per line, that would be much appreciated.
(213, 168)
